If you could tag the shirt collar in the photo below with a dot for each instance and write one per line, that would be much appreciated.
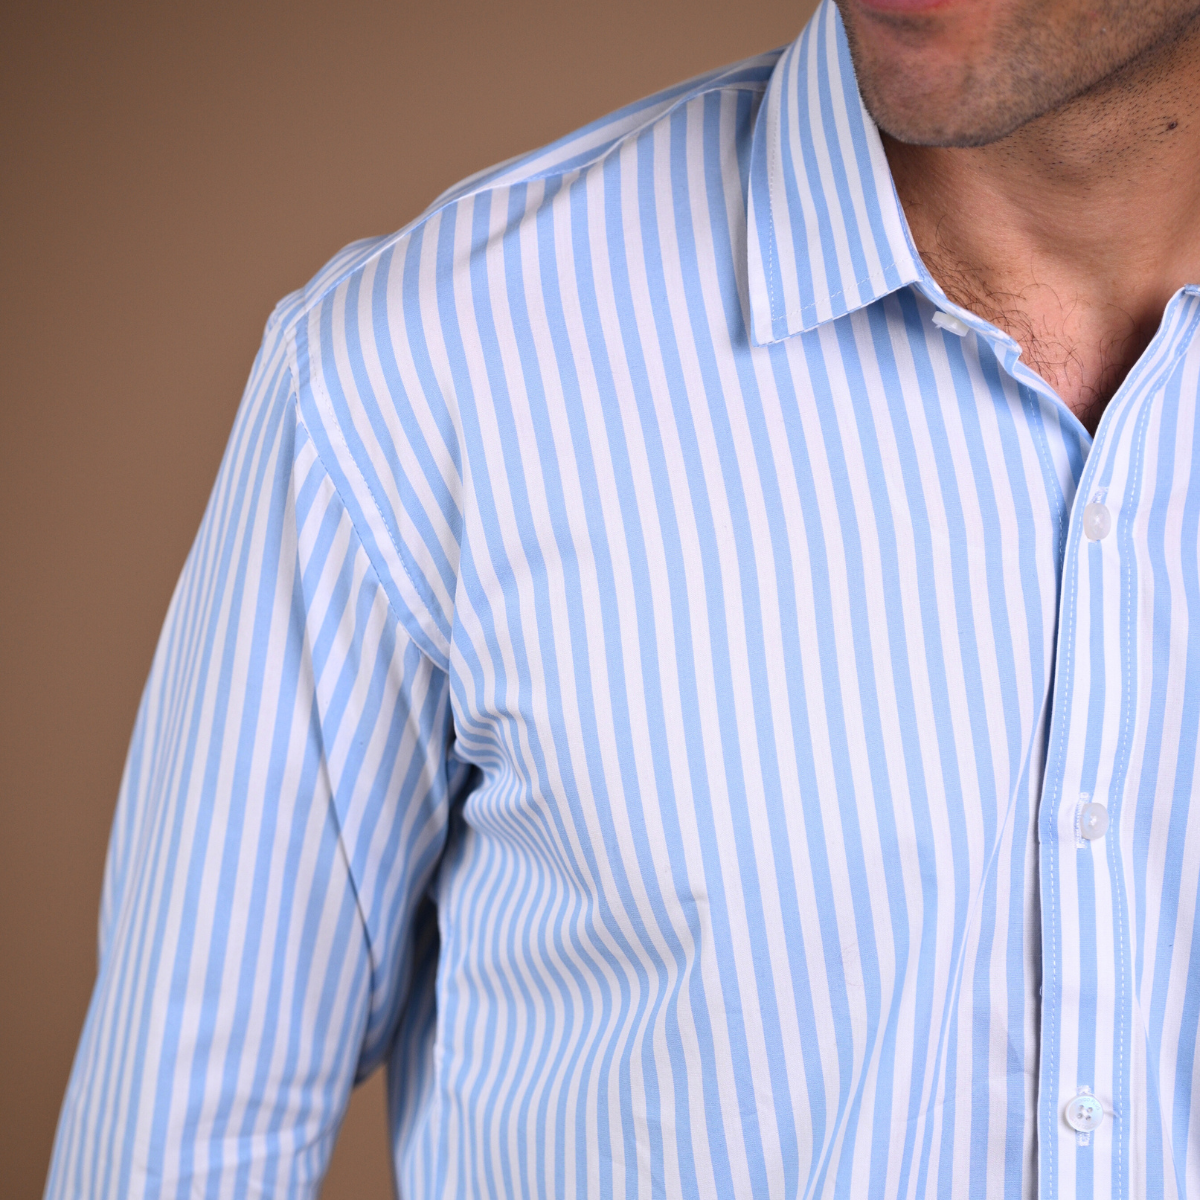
(826, 231)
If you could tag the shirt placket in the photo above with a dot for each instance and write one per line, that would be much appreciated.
(1086, 979)
(1085, 1100)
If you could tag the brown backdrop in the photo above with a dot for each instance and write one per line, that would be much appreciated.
(166, 174)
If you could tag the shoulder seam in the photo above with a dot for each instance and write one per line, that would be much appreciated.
(446, 201)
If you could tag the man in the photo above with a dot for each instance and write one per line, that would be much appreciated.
(691, 660)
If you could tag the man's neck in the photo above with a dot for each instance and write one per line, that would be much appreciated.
(1073, 232)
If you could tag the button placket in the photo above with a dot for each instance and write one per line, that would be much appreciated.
(1089, 1021)
(1086, 981)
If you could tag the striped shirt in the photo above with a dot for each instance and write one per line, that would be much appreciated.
(681, 694)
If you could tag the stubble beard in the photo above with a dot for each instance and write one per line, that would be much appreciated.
(1031, 69)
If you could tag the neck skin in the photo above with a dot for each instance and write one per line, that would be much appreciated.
(1072, 233)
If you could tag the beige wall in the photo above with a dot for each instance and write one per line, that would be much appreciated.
(166, 173)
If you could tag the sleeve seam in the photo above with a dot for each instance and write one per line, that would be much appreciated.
(373, 953)
(294, 398)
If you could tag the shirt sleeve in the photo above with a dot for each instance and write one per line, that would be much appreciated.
(281, 815)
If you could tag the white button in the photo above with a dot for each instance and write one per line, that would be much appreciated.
(1084, 1113)
(1097, 521)
(951, 324)
(1093, 821)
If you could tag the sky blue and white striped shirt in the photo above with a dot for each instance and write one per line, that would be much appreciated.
(684, 696)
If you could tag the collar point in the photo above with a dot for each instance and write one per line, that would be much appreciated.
(766, 330)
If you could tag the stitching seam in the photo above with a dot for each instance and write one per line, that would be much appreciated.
(332, 420)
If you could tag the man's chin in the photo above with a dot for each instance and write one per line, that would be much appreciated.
(931, 118)
(918, 134)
